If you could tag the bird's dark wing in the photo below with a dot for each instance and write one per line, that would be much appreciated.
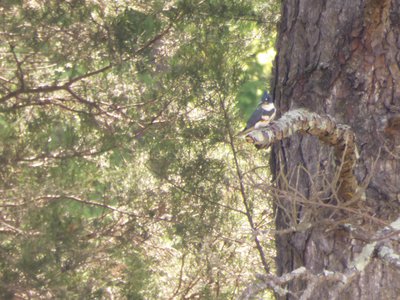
(254, 118)
(263, 114)
(259, 119)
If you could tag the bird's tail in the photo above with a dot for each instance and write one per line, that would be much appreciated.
(244, 132)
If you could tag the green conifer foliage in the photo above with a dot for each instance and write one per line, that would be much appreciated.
(117, 167)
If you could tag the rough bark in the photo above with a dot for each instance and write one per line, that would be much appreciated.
(339, 58)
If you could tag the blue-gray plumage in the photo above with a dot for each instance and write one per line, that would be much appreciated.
(262, 116)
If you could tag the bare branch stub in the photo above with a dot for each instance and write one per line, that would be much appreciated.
(339, 136)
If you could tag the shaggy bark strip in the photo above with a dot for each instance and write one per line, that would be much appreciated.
(339, 136)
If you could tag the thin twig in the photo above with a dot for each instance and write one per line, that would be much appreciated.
(242, 189)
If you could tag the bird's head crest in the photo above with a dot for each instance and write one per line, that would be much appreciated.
(266, 97)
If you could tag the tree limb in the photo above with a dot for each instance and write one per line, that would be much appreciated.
(325, 128)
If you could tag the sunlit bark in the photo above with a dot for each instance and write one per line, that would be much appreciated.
(339, 58)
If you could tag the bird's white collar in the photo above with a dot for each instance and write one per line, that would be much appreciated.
(267, 106)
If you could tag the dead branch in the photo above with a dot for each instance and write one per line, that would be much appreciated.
(325, 128)
(276, 282)
(383, 250)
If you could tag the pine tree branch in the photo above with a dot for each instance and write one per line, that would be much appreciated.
(325, 128)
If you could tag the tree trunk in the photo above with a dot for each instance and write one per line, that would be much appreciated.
(339, 58)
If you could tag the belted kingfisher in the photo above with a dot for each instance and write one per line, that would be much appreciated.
(262, 116)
